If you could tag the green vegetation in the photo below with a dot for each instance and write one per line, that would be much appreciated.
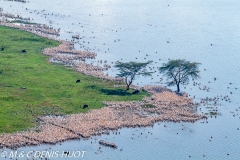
(129, 71)
(178, 72)
(30, 86)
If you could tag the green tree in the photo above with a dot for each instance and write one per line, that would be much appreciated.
(178, 72)
(129, 71)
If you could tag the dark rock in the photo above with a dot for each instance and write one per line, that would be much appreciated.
(136, 91)
(109, 144)
(85, 106)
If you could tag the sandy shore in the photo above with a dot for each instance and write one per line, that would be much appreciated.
(162, 105)
(65, 52)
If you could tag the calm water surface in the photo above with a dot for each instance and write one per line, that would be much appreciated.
(157, 30)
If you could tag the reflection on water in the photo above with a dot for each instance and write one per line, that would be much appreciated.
(202, 31)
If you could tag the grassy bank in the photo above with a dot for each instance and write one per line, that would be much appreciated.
(30, 86)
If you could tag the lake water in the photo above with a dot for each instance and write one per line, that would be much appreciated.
(141, 30)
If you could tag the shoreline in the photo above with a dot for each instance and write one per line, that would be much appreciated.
(162, 105)
(65, 52)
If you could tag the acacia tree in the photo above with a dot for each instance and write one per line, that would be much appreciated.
(178, 72)
(129, 70)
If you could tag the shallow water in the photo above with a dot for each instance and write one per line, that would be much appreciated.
(128, 30)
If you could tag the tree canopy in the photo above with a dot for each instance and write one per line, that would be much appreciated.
(129, 71)
(178, 72)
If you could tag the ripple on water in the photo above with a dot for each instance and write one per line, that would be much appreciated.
(144, 27)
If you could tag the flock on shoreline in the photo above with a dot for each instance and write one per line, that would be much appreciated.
(65, 52)
(162, 105)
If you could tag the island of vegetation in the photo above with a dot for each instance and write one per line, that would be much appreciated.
(43, 102)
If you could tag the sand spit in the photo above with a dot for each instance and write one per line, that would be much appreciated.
(15, 140)
(95, 71)
(65, 52)
(42, 30)
(48, 133)
(160, 106)
(12, 16)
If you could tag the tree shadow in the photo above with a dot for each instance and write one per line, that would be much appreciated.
(118, 92)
